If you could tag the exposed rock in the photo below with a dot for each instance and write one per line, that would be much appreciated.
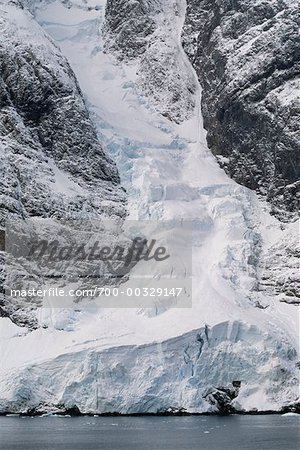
(280, 268)
(246, 55)
(221, 398)
(292, 408)
(130, 25)
(142, 33)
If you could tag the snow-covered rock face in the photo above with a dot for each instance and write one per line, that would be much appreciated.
(44, 118)
(192, 372)
(52, 164)
(147, 31)
(246, 55)
(280, 267)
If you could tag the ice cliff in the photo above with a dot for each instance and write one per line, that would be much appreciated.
(195, 372)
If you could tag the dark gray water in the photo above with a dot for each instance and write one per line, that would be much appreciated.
(150, 433)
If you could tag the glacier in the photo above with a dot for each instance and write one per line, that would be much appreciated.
(151, 360)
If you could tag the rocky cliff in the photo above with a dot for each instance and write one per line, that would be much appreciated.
(145, 33)
(52, 163)
(247, 56)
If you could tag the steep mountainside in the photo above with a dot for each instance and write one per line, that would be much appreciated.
(236, 347)
(52, 164)
(247, 56)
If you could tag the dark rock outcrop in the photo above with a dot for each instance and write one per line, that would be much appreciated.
(247, 58)
(279, 270)
(145, 33)
(130, 24)
(221, 398)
